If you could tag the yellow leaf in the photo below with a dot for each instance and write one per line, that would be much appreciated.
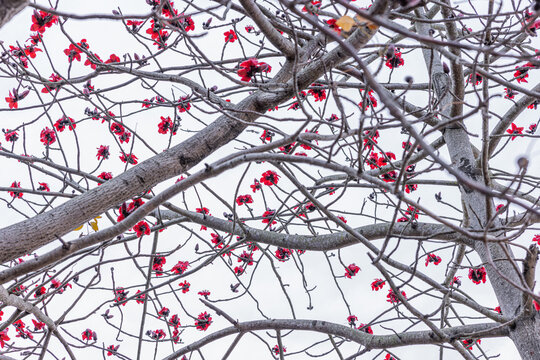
(79, 228)
(346, 23)
(94, 226)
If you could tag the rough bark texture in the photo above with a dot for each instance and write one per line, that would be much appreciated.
(10, 8)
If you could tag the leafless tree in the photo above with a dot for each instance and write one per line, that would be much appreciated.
(392, 147)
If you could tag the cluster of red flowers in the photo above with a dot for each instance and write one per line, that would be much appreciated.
(283, 254)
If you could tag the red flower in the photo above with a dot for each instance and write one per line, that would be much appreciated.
(250, 67)
(532, 129)
(51, 86)
(93, 62)
(478, 275)
(38, 325)
(318, 92)
(533, 105)
(332, 24)
(112, 59)
(370, 100)
(103, 152)
(351, 270)
(64, 121)
(275, 349)
(139, 299)
(244, 199)
(124, 137)
(111, 350)
(432, 258)
(14, 97)
(389, 357)
(47, 136)
(42, 20)
(174, 321)
(129, 158)
(256, 185)
(165, 125)
(365, 328)
(142, 228)
(204, 293)
(377, 284)
(157, 265)
(268, 216)
(203, 321)
(238, 270)
(133, 24)
(269, 178)
(468, 343)
(184, 286)
(477, 78)
(105, 176)
(3, 338)
(120, 295)
(89, 335)
(456, 280)
(536, 239)
(246, 257)
(515, 131)
(521, 74)
(15, 194)
(352, 319)
(283, 254)
(12, 136)
(73, 53)
(180, 267)
(230, 36)
(510, 94)
(249, 28)
(393, 298)
(31, 51)
(164, 312)
(393, 58)
(498, 309)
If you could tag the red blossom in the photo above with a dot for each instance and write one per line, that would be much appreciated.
(515, 131)
(203, 321)
(42, 20)
(142, 228)
(377, 284)
(129, 158)
(432, 258)
(269, 178)
(184, 286)
(47, 136)
(478, 275)
(230, 36)
(351, 270)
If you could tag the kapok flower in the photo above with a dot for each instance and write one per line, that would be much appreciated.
(47, 136)
(269, 178)
(203, 321)
(142, 228)
(351, 270)
(515, 131)
(478, 275)
(230, 36)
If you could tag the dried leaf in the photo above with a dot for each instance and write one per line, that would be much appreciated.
(346, 23)
(79, 228)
